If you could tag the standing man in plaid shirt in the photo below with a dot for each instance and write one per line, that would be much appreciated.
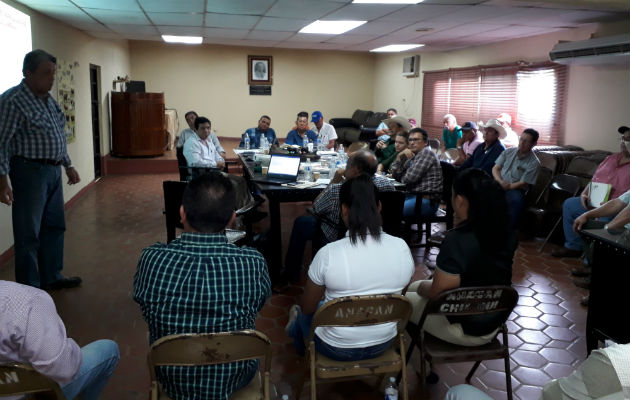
(200, 283)
(419, 168)
(32, 149)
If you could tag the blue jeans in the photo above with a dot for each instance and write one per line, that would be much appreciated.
(38, 222)
(304, 229)
(515, 201)
(571, 209)
(301, 328)
(99, 360)
(427, 209)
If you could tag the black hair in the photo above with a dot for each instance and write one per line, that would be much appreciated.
(404, 135)
(360, 195)
(36, 57)
(201, 120)
(425, 135)
(265, 116)
(533, 133)
(209, 202)
(487, 208)
(191, 112)
(302, 114)
(364, 161)
(391, 109)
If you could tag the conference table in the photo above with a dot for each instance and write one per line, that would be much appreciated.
(608, 299)
(276, 194)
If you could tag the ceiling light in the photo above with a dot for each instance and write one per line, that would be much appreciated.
(393, 48)
(387, 1)
(331, 27)
(182, 39)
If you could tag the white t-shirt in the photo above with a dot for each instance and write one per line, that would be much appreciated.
(373, 267)
(326, 134)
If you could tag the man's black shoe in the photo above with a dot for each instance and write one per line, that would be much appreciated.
(581, 271)
(564, 252)
(65, 283)
(584, 283)
(584, 300)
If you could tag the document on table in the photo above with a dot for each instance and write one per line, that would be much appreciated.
(599, 193)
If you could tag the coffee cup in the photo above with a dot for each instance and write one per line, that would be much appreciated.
(265, 170)
(315, 175)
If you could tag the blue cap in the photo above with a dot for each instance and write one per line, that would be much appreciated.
(468, 126)
(316, 116)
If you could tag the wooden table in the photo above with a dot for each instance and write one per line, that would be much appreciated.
(276, 194)
(608, 303)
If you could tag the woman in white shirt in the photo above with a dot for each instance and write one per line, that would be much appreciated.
(367, 261)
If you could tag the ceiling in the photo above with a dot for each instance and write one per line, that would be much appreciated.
(439, 24)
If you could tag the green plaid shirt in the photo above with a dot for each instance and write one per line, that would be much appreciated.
(197, 284)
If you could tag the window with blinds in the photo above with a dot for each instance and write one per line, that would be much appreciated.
(533, 95)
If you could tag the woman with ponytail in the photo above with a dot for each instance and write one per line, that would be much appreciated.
(367, 261)
(477, 252)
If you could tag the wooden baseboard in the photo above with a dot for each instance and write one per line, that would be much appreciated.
(10, 252)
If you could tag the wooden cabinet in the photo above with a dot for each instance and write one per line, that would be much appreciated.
(138, 124)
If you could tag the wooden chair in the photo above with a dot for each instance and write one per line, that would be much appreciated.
(358, 311)
(173, 195)
(21, 379)
(466, 301)
(210, 349)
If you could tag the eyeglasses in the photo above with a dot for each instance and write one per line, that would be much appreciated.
(413, 140)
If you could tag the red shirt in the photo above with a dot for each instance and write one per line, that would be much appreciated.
(618, 176)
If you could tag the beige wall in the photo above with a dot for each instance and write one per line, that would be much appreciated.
(597, 102)
(212, 80)
(71, 45)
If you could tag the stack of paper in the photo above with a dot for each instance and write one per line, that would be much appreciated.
(599, 193)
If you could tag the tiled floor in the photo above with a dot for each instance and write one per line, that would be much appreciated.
(109, 226)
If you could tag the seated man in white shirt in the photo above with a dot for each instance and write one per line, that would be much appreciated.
(382, 128)
(199, 149)
(201, 153)
(326, 133)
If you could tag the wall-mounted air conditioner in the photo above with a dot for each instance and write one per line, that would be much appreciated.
(602, 51)
(411, 65)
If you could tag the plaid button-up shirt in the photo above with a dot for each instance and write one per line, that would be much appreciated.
(327, 204)
(30, 127)
(423, 173)
(199, 284)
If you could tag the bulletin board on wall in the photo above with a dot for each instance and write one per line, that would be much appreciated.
(65, 95)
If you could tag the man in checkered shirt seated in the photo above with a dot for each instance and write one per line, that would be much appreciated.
(200, 283)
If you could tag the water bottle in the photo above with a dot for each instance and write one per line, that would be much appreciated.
(342, 154)
(263, 143)
(318, 144)
(309, 146)
(285, 397)
(308, 171)
(305, 142)
(391, 391)
(247, 141)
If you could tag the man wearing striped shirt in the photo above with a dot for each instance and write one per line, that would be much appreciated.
(32, 149)
(199, 283)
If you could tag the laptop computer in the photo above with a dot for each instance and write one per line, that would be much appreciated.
(283, 168)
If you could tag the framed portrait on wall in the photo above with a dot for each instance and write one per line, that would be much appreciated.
(260, 70)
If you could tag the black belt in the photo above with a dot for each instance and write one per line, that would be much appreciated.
(45, 161)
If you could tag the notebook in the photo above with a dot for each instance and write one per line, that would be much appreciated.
(283, 168)
(599, 193)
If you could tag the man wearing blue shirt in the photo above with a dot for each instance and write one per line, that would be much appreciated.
(32, 150)
(296, 136)
(487, 153)
(255, 134)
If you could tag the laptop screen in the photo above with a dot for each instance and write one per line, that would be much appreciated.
(284, 165)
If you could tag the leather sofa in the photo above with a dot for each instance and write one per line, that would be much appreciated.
(360, 127)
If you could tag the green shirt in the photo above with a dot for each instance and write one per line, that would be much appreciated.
(450, 138)
(200, 283)
(386, 152)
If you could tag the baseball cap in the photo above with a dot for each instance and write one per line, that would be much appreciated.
(316, 116)
(468, 126)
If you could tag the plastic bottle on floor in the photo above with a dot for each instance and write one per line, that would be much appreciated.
(391, 391)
